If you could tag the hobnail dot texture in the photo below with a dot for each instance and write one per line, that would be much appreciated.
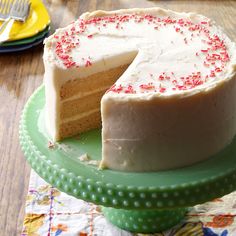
(144, 221)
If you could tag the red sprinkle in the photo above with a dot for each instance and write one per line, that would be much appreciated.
(88, 63)
(162, 90)
(129, 89)
(147, 86)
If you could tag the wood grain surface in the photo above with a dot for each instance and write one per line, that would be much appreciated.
(21, 73)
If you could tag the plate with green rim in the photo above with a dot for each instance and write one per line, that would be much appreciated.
(126, 197)
(29, 40)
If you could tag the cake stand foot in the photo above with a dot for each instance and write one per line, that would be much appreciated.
(144, 221)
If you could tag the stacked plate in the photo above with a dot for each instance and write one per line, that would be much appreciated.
(30, 33)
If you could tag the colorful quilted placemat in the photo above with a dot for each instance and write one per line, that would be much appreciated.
(50, 212)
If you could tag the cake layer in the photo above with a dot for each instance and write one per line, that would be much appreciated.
(79, 125)
(82, 104)
(81, 85)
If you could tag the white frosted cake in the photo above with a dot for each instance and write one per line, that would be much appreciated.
(162, 83)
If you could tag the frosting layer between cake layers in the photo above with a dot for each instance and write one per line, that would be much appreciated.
(171, 100)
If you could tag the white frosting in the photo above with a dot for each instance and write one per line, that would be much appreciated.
(162, 50)
(84, 114)
(174, 58)
(84, 94)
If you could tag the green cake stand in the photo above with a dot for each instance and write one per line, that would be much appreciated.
(137, 202)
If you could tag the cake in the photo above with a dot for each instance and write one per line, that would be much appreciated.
(161, 84)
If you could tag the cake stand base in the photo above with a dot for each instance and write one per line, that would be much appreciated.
(138, 202)
(145, 221)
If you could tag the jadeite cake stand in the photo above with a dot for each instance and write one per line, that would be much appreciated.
(138, 202)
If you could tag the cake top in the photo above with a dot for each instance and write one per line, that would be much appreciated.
(168, 52)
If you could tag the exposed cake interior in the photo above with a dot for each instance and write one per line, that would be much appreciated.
(81, 101)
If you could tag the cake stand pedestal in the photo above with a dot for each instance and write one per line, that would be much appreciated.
(138, 202)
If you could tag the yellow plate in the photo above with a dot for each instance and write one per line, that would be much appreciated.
(37, 21)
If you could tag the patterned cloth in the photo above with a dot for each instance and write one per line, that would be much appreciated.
(50, 212)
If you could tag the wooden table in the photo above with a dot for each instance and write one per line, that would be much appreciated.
(21, 73)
